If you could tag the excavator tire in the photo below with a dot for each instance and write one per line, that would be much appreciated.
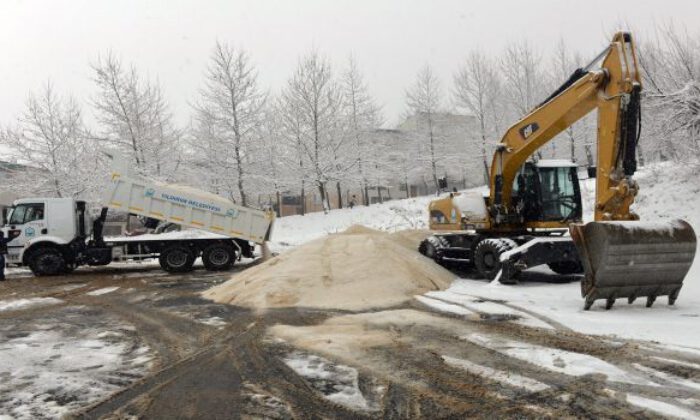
(430, 247)
(631, 259)
(566, 267)
(487, 258)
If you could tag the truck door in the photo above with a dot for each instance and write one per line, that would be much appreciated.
(29, 220)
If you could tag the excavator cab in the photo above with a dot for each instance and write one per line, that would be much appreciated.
(548, 191)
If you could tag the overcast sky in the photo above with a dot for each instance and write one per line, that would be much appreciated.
(171, 39)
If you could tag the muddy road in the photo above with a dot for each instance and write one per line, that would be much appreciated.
(160, 351)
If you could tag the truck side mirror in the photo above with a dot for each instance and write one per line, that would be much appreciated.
(592, 171)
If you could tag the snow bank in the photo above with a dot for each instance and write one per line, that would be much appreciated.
(390, 217)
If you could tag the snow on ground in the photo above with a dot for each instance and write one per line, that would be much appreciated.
(563, 304)
(441, 306)
(102, 291)
(21, 304)
(668, 378)
(660, 407)
(488, 309)
(338, 383)
(561, 361)
(214, 321)
(47, 372)
(503, 376)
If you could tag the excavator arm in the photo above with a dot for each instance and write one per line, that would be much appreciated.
(613, 89)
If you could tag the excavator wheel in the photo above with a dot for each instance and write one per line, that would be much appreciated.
(631, 259)
(566, 267)
(487, 258)
(427, 248)
(431, 246)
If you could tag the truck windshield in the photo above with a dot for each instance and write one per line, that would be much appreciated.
(24, 213)
(7, 214)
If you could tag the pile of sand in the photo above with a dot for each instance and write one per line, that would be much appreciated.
(358, 269)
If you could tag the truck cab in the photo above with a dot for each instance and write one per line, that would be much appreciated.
(42, 223)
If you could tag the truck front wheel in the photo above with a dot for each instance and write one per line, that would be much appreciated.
(176, 259)
(218, 257)
(48, 262)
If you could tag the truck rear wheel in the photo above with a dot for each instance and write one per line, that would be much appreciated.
(218, 257)
(48, 262)
(176, 259)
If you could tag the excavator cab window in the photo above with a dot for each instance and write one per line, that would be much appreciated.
(525, 194)
(544, 194)
(560, 196)
(437, 216)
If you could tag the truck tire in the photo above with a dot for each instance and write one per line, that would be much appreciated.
(176, 259)
(487, 257)
(218, 257)
(48, 262)
(566, 267)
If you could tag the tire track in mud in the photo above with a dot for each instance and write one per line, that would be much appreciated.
(205, 371)
(554, 324)
(624, 357)
(217, 374)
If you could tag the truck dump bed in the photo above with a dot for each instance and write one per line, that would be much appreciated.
(185, 206)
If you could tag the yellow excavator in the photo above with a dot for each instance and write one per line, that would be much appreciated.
(533, 213)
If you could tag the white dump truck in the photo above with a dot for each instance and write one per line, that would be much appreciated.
(55, 235)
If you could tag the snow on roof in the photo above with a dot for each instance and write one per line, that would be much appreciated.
(556, 163)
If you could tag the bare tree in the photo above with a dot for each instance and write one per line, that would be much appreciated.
(477, 88)
(671, 70)
(564, 64)
(523, 78)
(363, 116)
(292, 131)
(50, 137)
(273, 159)
(232, 104)
(424, 100)
(135, 118)
(312, 104)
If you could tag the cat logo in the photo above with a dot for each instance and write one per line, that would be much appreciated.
(527, 131)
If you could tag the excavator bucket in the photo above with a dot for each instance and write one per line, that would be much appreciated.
(633, 259)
